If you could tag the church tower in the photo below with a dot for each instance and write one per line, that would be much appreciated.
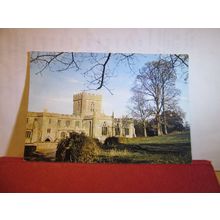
(85, 104)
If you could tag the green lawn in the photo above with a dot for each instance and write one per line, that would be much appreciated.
(172, 148)
(174, 138)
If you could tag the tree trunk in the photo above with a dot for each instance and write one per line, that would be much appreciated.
(163, 106)
(159, 132)
(164, 121)
(165, 124)
(145, 127)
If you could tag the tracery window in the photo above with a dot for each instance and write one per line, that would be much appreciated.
(117, 129)
(104, 129)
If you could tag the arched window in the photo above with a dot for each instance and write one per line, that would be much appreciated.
(126, 131)
(59, 123)
(117, 129)
(104, 129)
(92, 107)
(35, 122)
(63, 135)
(68, 123)
(79, 106)
(28, 134)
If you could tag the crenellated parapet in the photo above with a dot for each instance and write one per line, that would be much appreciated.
(87, 96)
(86, 103)
(87, 117)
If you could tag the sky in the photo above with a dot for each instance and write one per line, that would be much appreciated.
(54, 90)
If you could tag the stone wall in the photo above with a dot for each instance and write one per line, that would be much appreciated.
(87, 117)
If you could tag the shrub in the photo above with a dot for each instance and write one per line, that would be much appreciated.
(29, 150)
(77, 148)
(97, 142)
(111, 141)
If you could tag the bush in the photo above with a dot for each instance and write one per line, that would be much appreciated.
(29, 150)
(111, 141)
(77, 148)
(97, 142)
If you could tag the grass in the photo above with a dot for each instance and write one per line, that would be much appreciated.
(173, 138)
(172, 148)
(121, 156)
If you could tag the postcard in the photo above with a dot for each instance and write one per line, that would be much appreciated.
(108, 108)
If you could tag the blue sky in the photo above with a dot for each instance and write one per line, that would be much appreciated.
(54, 91)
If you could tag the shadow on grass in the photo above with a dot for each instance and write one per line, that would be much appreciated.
(172, 149)
(148, 158)
(157, 148)
(133, 153)
(38, 156)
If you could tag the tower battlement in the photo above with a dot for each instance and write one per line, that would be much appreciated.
(88, 96)
(86, 103)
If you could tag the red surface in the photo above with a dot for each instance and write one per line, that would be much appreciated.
(17, 175)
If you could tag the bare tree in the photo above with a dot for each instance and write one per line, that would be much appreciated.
(157, 81)
(101, 65)
(97, 68)
(169, 92)
(140, 108)
(177, 61)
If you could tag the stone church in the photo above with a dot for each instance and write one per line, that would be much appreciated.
(87, 117)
